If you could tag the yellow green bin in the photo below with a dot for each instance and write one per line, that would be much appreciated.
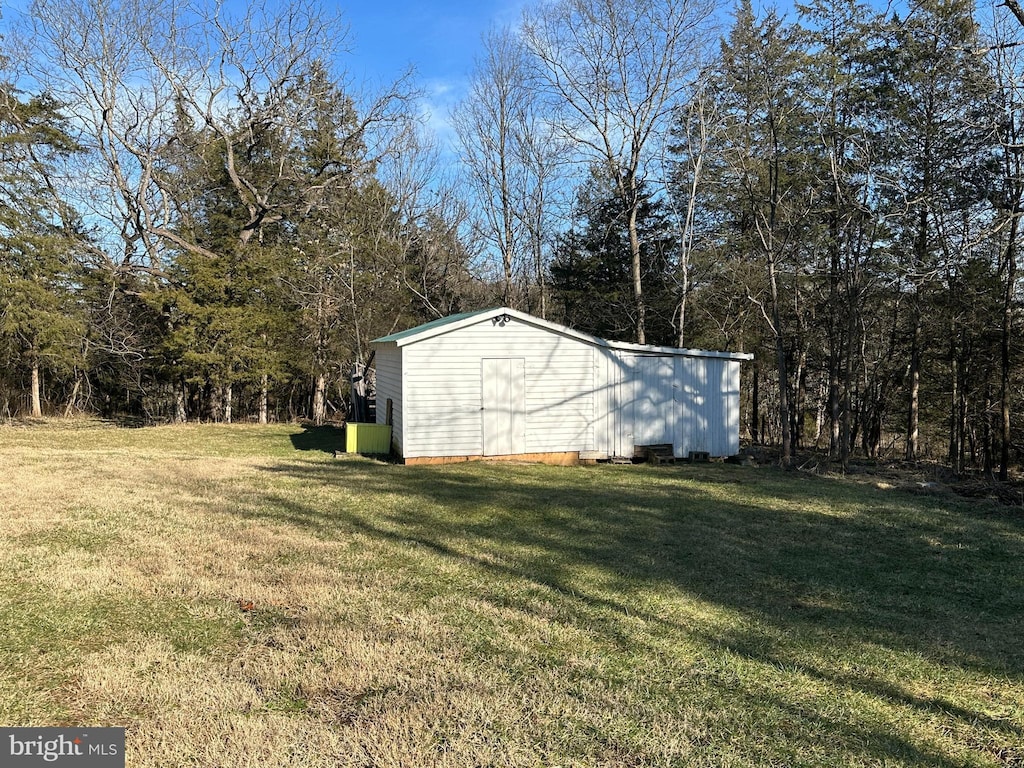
(367, 438)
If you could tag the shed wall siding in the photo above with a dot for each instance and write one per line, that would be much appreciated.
(579, 396)
(388, 362)
(443, 394)
(690, 402)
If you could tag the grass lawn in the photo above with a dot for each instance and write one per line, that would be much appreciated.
(479, 614)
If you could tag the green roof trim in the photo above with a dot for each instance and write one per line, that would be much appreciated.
(432, 325)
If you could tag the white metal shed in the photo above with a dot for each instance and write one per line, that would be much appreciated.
(500, 383)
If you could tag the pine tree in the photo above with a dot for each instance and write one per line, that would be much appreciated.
(765, 182)
(591, 266)
(41, 328)
(936, 107)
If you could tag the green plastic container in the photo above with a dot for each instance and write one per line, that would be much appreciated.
(367, 438)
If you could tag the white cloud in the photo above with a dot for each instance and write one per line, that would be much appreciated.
(440, 96)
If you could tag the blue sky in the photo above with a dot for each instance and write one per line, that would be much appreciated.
(440, 38)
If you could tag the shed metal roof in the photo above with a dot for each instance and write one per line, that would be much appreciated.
(453, 322)
(439, 324)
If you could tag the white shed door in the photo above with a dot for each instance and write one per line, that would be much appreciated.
(654, 407)
(503, 407)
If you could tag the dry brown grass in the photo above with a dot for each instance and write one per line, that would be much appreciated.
(407, 617)
(326, 669)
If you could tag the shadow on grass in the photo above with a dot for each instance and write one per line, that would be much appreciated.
(898, 568)
(817, 565)
(325, 439)
(942, 579)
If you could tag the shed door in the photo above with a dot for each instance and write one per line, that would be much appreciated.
(654, 407)
(503, 406)
(696, 405)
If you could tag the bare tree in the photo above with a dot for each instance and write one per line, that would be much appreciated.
(614, 71)
(91, 56)
(509, 152)
(1007, 65)
(485, 122)
(176, 103)
(431, 213)
(695, 132)
(543, 197)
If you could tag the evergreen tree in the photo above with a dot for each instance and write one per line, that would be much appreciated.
(341, 276)
(591, 266)
(850, 222)
(936, 106)
(41, 328)
(766, 181)
(222, 308)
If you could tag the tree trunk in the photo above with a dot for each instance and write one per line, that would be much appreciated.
(538, 260)
(988, 434)
(320, 400)
(799, 399)
(835, 413)
(780, 361)
(966, 433)
(638, 290)
(681, 312)
(845, 406)
(1006, 336)
(37, 405)
(835, 348)
(214, 402)
(227, 403)
(755, 405)
(955, 435)
(180, 404)
(73, 398)
(914, 377)
(686, 237)
(819, 415)
(507, 229)
(264, 389)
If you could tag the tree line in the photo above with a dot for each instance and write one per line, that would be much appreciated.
(203, 217)
(837, 190)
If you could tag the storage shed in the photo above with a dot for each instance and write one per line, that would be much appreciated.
(500, 383)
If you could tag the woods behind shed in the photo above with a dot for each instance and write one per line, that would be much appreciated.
(500, 383)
